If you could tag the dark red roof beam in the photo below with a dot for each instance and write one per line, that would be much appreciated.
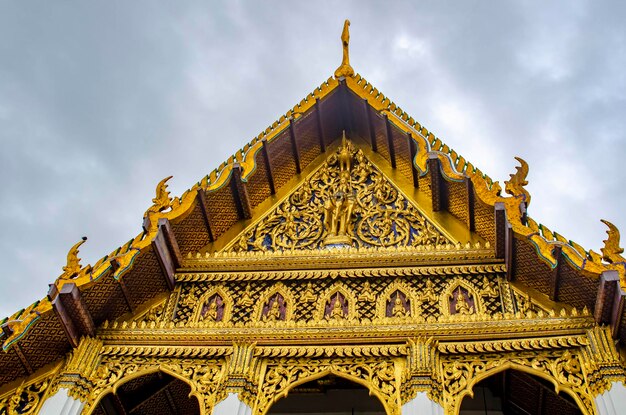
(240, 192)
(73, 314)
(437, 183)
(201, 195)
(392, 149)
(268, 166)
(167, 252)
(294, 145)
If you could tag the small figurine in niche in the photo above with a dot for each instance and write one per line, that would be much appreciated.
(246, 297)
(489, 289)
(308, 296)
(274, 310)
(462, 306)
(336, 309)
(366, 293)
(398, 310)
(213, 309)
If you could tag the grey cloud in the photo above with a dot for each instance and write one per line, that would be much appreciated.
(98, 102)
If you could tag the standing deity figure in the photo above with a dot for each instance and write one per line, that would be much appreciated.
(338, 209)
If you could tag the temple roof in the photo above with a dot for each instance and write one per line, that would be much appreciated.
(184, 231)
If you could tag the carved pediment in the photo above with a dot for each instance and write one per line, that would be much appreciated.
(345, 202)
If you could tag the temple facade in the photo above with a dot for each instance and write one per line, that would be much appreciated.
(345, 261)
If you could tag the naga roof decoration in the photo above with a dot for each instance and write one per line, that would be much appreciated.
(231, 197)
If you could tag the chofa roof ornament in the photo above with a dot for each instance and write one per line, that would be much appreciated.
(345, 70)
(73, 261)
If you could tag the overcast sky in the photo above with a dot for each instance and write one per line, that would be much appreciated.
(100, 101)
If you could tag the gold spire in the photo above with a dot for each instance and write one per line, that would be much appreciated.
(345, 69)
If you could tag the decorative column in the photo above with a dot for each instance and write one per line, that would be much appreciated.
(61, 404)
(240, 382)
(604, 372)
(71, 389)
(421, 388)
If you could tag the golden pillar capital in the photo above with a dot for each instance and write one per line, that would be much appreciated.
(421, 371)
(242, 372)
(602, 361)
(80, 365)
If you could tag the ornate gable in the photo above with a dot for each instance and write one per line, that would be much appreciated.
(346, 202)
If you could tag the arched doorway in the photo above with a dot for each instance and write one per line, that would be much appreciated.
(328, 395)
(513, 392)
(151, 394)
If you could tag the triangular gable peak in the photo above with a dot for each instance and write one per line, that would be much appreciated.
(143, 269)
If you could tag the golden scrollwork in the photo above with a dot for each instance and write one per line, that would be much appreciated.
(561, 367)
(25, 399)
(379, 376)
(204, 376)
(347, 201)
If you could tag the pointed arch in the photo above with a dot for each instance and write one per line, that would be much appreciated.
(330, 297)
(134, 372)
(452, 290)
(378, 376)
(206, 298)
(558, 387)
(410, 302)
(269, 296)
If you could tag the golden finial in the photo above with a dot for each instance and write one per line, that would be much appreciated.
(162, 200)
(345, 69)
(611, 251)
(73, 261)
(515, 185)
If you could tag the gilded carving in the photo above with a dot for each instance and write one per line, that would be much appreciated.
(379, 376)
(25, 399)
(359, 207)
(562, 368)
(515, 185)
(398, 301)
(204, 376)
(246, 298)
(277, 304)
(338, 303)
(461, 299)
(308, 296)
(345, 70)
(215, 306)
(73, 261)
(366, 293)
(161, 202)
